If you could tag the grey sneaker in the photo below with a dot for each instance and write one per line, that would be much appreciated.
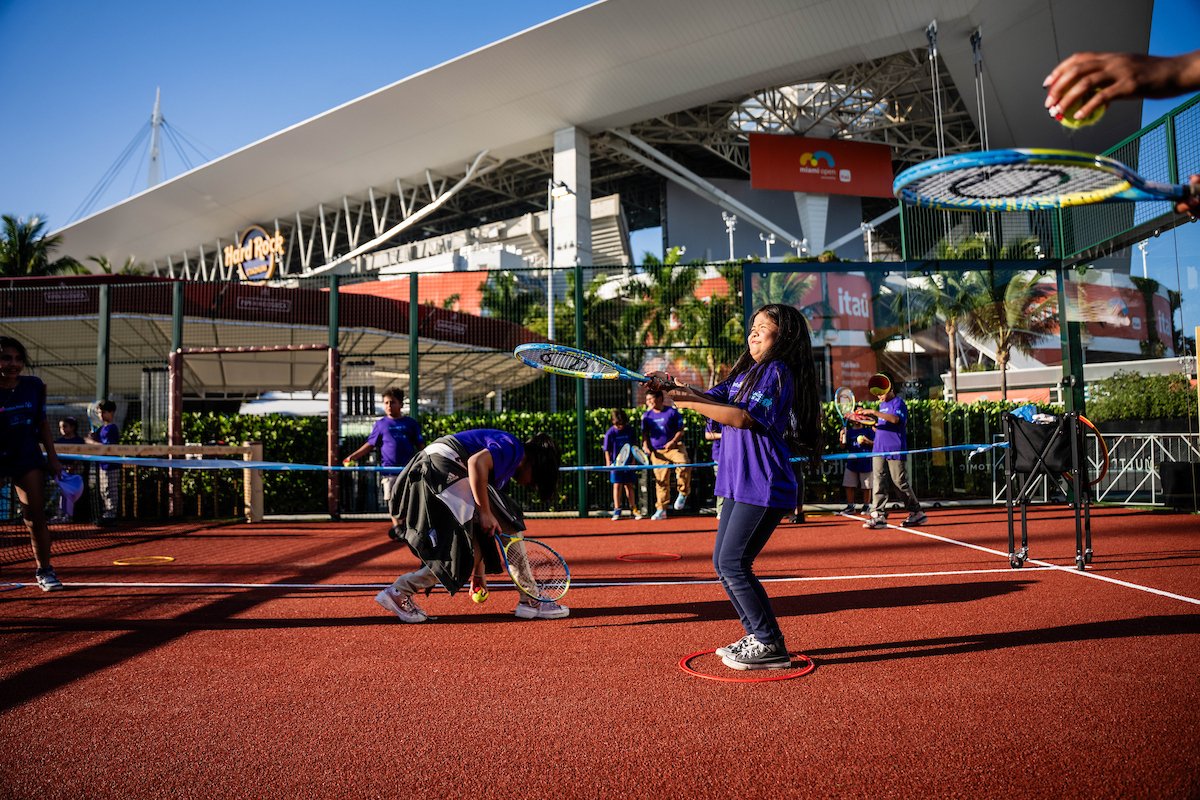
(876, 523)
(736, 647)
(849, 509)
(401, 605)
(916, 518)
(48, 581)
(542, 610)
(756, 655)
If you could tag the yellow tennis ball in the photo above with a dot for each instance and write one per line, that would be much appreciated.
(863, 440)
(480, 595)
(1067, 118)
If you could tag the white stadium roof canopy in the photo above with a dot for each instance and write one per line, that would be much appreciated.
(612, 64)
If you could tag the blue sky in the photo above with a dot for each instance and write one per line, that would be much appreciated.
(81, 78)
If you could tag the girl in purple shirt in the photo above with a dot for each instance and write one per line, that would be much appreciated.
(769, 410)
(23, 426)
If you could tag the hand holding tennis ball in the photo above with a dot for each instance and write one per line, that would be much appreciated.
(349, 462)
(1066, 117)
(480, 595)
(862, 439)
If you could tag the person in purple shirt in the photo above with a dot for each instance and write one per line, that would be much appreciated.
(69, 428)
(110, 474)
(889, 469)
(397, 436)
(712, 433)
(621, 435)
(769, 409)
(460, 470)
(662, 436)
(23, 427)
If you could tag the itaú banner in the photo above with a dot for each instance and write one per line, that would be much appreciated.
(826, 166)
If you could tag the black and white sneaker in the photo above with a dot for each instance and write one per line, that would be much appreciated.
(916, 518)
(48, 581)
(736, 647)
(849, 509)
(756, 655)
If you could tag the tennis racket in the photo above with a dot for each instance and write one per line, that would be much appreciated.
(535, 568)
(845, 404)
(93, 413)
(629, 451)
(1027, 179)
(575, 363)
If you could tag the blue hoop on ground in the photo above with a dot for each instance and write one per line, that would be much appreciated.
(800, 672)
(8, 587)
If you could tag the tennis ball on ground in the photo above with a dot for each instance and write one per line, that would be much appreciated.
(1066, 117)
(480, 595)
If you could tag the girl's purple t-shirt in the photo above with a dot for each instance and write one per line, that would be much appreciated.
(755, 463)
(21, 412)
(615, 438)
(507, 451)
(397, 439)
(891, 436)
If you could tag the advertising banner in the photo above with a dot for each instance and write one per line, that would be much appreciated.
(825, 166)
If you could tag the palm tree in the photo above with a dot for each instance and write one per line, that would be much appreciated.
(25, 250)
(131, 267)
(505, 297)
(713, 329)
(946, 298)
(665, 288)
(1014, 315)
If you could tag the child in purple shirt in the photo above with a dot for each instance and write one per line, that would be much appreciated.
(459, 469)
(662, 435)
(397, 436)
(769, 409)
(621, 435)
(888, 467)
(23, 427)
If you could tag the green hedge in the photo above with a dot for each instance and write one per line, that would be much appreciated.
(1130, 396)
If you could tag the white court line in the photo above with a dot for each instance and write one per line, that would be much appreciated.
(1045, 564)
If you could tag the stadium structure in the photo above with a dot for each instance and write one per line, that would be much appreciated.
(545, 149)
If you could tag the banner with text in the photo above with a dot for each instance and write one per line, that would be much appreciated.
(826, 166)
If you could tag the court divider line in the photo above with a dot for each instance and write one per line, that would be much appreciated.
(1044, 564)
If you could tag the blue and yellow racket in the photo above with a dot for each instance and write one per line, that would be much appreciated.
(1027, 179)
(575, 363)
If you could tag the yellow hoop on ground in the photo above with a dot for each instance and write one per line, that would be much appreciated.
(136, 561)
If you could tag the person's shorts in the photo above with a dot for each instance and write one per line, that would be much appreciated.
(856, 480)
(390, 479)
(623, 476)
(23, 466)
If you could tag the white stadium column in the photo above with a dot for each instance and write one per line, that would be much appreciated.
(814, 211)
(572, 212)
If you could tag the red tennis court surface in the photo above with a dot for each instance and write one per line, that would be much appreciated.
(940, 671)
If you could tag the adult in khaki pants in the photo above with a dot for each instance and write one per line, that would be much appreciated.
(662, 436)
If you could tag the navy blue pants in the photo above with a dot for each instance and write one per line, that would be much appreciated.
(741, 535)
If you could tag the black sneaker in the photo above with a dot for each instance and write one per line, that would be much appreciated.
(756, 655)
(736, 647)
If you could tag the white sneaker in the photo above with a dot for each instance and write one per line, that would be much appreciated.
(916, 518)
(680, 502)
(401, 605)
(542, 610)
(48, 581)
(638, 515)
(660, 514)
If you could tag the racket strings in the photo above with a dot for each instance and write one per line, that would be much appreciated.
(537, 570)
(570, 361)
(1014, 182)
(844, 401)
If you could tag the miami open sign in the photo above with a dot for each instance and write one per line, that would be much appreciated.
(255, 254)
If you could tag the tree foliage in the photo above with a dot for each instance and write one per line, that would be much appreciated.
(25, 250)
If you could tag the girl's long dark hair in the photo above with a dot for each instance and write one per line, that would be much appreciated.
(8, 341)
(792, 347)
(545, 459)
